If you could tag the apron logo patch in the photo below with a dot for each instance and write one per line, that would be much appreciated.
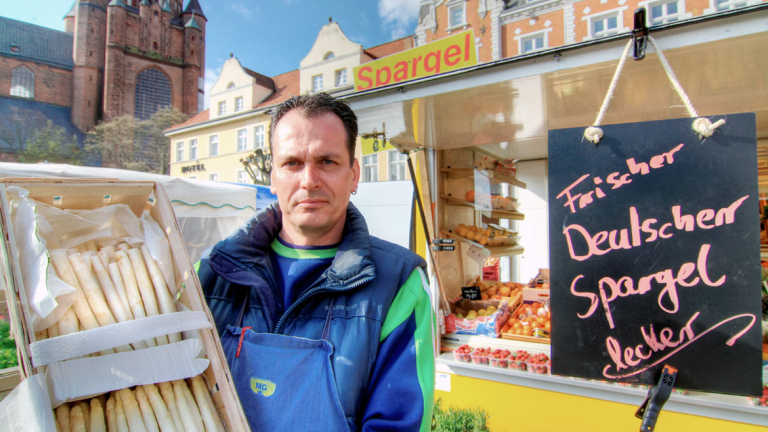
(265, 387)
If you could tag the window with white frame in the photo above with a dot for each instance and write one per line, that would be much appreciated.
(533, 43)
(317, 82)
(213, 177)
(239, 105)
(192, 149)
(605, 25)
(213, 145)
(242, 177)
(723, 5)
(371, 168)
(341, 77)
(457, 14)
(242, 140)
(179, 151)
(258, 136)
(663, 12)
(23, 82)
(222, 108)
(397, 163)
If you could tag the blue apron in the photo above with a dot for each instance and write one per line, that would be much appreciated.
(285, 383)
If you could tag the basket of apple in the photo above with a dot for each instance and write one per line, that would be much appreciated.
(462, 353)
(499, 358)
(537, 363)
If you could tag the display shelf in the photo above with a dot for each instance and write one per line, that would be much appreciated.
(495, 213)
(494, 177)
(488, 251)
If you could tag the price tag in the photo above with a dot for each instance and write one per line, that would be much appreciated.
(477, 254)
(471, 293)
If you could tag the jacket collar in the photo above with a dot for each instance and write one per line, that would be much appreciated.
(249, 246)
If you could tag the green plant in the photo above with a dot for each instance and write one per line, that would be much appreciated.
(459, 420)
(7, 347)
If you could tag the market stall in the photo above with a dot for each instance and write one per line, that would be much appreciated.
(482, 138)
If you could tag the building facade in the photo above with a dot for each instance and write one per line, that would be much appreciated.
(211, 145)
(118, 57)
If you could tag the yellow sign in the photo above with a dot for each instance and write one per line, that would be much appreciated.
(444, 55)
(375, 145)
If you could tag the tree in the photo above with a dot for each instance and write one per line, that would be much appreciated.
(262, 162)
(51, 144)
(18, 126)
(132, 144)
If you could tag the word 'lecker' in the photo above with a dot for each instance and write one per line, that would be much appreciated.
(615, 179)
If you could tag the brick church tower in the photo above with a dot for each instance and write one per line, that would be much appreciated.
(133, 57)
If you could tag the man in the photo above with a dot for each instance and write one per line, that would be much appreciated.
(324, 327)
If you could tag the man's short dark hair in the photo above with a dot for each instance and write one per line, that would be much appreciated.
(316, 104)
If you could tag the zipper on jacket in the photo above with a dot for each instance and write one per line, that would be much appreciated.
(367, 277)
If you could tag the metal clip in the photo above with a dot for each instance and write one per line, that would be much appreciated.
(441, 241)
(657, 396)
(639, 34)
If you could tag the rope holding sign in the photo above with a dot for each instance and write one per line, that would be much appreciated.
(702, 125)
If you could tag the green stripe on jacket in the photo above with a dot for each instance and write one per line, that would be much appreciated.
(413, 298)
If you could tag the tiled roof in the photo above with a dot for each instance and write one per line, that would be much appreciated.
(199, 118)
(286, 85)
(390, 48)
(194, 7)
(261, 80)
(36, 43)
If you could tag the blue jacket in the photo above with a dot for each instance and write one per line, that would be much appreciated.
(382, 321)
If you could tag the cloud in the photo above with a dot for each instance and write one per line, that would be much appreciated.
(242, 9)
(399, 16)
(211, 75)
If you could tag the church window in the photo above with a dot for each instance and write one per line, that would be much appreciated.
(155, 13)
(153, 92)
(154, 45)
(193, 38)
(192, 52)
(90, 53)
(23, 82)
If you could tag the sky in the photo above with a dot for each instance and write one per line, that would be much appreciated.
(267, 36)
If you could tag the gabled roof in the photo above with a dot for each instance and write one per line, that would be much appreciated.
(286, 86)
(36, 43)
(194, 7)
(390, 48)
(261, 80)
(199, 118)
(192, 23)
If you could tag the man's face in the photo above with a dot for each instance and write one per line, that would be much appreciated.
(312, 177)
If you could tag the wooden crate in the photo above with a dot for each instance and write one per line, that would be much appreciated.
(514, 315)
(139, 196)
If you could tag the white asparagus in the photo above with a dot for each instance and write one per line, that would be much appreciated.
(190, 425)
(68, 323)
(86, 408)
(204, 403)
(163, 416)
(111, 414)
(110, 250)
(132, 289)
(97, 422)
(110, 292)
(71, 251)
(62, 418)
(147, 413)
(164, 299)
(94, 294)
(77, 419)
(90, 246)
(81, 248)
(41, 335)
(123, 247)
(166, 389)
(132, 411)
(122, 422)
(145, 288)
(192, 405)
(104, 258)
(102, 400)
(117, 280)
(66, 273)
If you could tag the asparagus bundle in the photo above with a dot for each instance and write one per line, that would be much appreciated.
(114, 285)
(171, 408)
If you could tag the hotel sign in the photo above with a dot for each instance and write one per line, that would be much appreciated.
(444, 55)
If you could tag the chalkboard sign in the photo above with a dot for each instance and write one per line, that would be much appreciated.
(655, 254)
(471, 293)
